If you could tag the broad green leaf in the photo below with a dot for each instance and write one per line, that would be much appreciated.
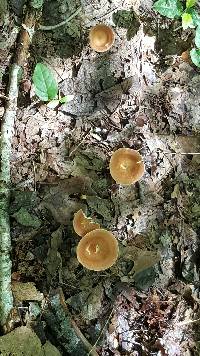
(195, 16)
(195, 56)
(169, 8)
(197, 37)
(46, 87)
(66, 99)
(190, 3)
(187, 21)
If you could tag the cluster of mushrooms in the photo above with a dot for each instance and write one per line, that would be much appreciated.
(98, 248)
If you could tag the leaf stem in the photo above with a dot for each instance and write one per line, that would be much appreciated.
(178, 28)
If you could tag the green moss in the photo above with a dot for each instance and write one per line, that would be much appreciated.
(24, 218)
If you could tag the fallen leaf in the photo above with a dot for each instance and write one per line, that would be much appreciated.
(25, 291)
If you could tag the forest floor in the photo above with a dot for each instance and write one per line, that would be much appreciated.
(143, 95)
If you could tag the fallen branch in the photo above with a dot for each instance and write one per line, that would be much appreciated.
(7, 128)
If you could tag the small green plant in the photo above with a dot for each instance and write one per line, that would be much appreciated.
(46, 86)
(174, 9)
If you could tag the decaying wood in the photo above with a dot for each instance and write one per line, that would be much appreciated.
(7, 127)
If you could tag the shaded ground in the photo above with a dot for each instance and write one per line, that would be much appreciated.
(140, 95)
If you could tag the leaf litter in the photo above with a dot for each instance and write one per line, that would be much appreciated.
(60, 164)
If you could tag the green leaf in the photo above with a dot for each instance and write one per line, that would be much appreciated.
(46, 87)
(195, 56)
(53, 104)
(169, 8)
(187, 21)
(190, 3)
(197, 37)
(195, 16)
(66, 99)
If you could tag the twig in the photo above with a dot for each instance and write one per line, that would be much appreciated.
(182, 323)
(178, 28)
(80, 143)
(88, 346)
(100, 335)
(7, 127)
(78, 332)
(53, 27)
(181, 153)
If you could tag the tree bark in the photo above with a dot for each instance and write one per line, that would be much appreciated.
(7, 128)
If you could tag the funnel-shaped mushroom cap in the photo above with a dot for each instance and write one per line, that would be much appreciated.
(126, 166)
(98, 250)
(82, 225)
(101, 38)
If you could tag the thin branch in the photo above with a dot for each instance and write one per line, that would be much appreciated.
(187, 322)
(180, 153)
(78, 332)
(80, 143)
(7, 128)
(88, 346)
(53, 27)
(101, 333)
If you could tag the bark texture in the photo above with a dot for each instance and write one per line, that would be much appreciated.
(7, 128)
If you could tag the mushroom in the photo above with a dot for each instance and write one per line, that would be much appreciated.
(186, 56)
(98, 250)
(126, 166)
(101, 38)
(82, 225)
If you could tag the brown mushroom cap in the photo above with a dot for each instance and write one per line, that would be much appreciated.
(82, 225)
(186, 56)
(126, 166)
(98, 250)
(101, 38)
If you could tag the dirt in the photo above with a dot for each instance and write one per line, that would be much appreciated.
(142, 95)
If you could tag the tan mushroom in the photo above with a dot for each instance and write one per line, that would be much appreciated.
(186, 56)
(98, 250)
(82, 225)
(126, 166)
(101, 38)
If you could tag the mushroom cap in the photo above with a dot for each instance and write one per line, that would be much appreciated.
(126, 166)
(98, 250)
(186, 56)
(101, 37)
(82, 225)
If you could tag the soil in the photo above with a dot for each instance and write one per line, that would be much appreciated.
(141, 94)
